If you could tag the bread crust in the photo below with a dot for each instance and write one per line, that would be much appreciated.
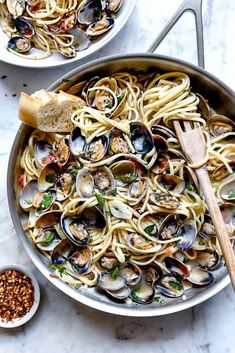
(33, 110)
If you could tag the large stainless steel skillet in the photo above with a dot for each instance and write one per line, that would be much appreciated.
(222, 100)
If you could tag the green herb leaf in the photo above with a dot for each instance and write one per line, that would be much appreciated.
(47, 240)
(157, 299)
(201, 242)
(175, 285)
(119, 98)
(114, 271)
(61, 271)
(113, 192)
(77, 286)
(29, 202)
(46, 200)
(231, 194)
(149, 229)
(73, 170)
(101, 200)
(189, 187)
(90, 153)
(127, 257)
(127, 179)
(134, 295)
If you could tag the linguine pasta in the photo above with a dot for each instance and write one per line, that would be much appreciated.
(151, 226)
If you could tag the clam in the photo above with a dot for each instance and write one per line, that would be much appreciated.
(131, 273)
(228, 213)
(47, 239)
(75, 229)
(84, 183)
(99, 27)
(160, 141)
(89, 12)
(120, 210)
(176, 267)
(108, 261)
(143, 293)
(15, 7)
(68, 52)
(222, 172)
(219, 124)
(162, 131)
(110, 283)
(77, 142)
(123, 172)
(117, 142)
(203, 106)
(42, 152)
(80, 260)
(200, 243)
(170, 286)
(169, 227)
(140, 244)
(48, 176)
(153, 273)
(81, 41)
(188, 233)
(100, 94)
(165, 200)
(49, 218)
(42, 201)
(97, 148)
(19, 44)
(93, 218)
(141, 138)
(114, 5)
(28, 193)
(208, 259)
(207, 229)
(68, 21)
(61, 252)
(104, 180)
(121, 101)
(138, 188)
(227, 188)
(24, 27)
(161, 163)
(120, 294)
(172, 183)
(64, 185)
(200, 277)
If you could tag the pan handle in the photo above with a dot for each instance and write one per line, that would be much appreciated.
(194, 6)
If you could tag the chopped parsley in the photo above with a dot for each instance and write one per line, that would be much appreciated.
(90, 153)
(149, 229)
(101, 200)
(231, 194)
(159, 300)
(113, 192)
(190, 187)
(73, 170)
(120, 98)
(47, 240)
(61, 270)
(127, 257)
(201, 242)
(114, 271)
(175, 285)
(77, 286)
(46, 200)
(127, 179)
(29, 202)
(135, 296)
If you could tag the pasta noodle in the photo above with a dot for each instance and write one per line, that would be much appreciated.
(148, 222)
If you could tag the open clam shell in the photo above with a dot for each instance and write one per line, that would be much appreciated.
(28, 193)
(77, 142)
(104, 180)
(75, 229)
(208, 259)
(109, 283)
(48, 176)
(117, 142)
(169, 227)
(170, 286)
(100, 27)
(220, 124)
(138, 243)
(143, 293)
(172, 183)
(84, 183)
(47, 239)
(131, 273)
(89, 12)
(200, 277)
(49, 218)
(153, 273)
(188, 231)
(176, 267)
(97, 148)
(61, 252)
(80, 260)
(93, 218)
(141, 138)
(226, 189)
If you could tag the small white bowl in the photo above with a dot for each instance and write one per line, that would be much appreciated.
(32, 311)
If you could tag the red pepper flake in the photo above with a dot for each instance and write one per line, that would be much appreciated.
(52, 275)
(90, 275)
(21, 180)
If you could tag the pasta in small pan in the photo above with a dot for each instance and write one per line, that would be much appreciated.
(114, 204)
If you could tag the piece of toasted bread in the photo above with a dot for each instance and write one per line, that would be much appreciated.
(49, 111)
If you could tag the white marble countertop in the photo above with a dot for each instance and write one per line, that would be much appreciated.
(61, 324)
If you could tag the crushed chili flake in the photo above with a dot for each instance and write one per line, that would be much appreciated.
(16, 295)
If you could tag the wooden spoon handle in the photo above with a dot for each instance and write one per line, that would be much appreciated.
(218, 222)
